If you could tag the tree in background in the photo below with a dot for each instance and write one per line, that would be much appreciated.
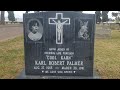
(116, 15)
(34, 11)
(11, 16)
(27, 11)
(42, 11)
(98, 15)
(105, 16)
(79, 11)
(2, 17)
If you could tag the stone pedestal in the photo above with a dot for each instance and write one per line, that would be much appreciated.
(23, 76)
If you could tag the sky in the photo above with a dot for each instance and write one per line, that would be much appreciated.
(19, 14)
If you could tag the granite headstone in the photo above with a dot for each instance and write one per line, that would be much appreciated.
(59, 43)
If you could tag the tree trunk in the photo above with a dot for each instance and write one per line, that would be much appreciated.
(2, 17)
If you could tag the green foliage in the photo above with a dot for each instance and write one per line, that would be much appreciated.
(27, 11)
(114, 14)
(105, 16)
(11, 16)
(2, 17)
(98, 15)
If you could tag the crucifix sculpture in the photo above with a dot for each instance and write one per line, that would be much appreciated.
(59, 21)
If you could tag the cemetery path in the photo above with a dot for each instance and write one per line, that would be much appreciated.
(10, 31)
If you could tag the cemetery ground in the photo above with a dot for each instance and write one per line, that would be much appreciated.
(106, 62)
(10, 31)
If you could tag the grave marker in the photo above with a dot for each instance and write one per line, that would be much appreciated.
(61, 44)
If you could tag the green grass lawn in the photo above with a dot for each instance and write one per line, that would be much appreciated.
(11, 58)
(107, 57)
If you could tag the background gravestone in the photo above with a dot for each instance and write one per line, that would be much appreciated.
(59, 43)
(103, 31)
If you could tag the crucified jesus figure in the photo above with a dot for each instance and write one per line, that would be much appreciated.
(59, 27)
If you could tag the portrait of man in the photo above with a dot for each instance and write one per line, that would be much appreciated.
(35, 30)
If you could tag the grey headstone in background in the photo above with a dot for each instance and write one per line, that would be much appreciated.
(114, 26)
(103, 31)
(59, 43)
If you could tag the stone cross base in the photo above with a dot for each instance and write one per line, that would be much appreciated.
(23, 76)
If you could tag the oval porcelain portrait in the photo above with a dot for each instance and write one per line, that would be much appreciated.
(35, 29)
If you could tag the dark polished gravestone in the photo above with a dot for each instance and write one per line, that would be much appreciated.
(59, 44)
